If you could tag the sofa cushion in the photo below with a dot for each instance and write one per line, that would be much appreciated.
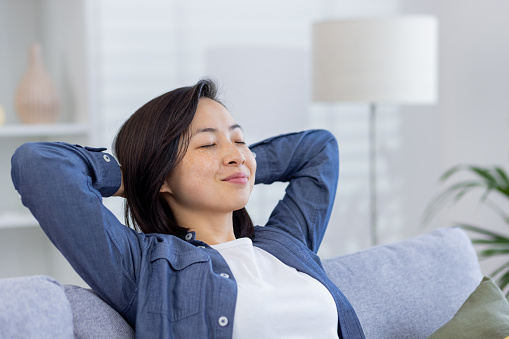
(411, 288)
(34, 307)
(94, 318)
(485, 314)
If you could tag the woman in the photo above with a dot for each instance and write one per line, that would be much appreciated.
(195, 267)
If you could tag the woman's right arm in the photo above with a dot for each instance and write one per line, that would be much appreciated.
(63, 186)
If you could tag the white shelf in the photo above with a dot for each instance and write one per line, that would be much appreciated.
(20, 130)
(17, 220)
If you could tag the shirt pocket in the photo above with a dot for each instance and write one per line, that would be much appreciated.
(176, 282)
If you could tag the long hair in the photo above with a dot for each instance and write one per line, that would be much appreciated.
(148, 147)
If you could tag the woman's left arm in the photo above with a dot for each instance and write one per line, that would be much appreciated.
(309, 161)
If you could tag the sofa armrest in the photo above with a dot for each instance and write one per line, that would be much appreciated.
(34, 307)
(94, 318)
(410, 288)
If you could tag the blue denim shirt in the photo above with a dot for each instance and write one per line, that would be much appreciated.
(164, 286)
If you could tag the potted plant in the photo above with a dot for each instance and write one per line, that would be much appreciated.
(492, 180)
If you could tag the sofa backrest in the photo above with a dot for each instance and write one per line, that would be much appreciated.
(404, 290)
(411, 288)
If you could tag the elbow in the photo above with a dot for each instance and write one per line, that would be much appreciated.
(326, 137)
(329, 142)
(24, 158)
(329, 152)
(24, 154)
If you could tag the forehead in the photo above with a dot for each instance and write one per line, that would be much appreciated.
(210, 113)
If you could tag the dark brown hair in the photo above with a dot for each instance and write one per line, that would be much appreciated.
(148, 147)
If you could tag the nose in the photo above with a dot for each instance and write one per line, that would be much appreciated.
(233, 156)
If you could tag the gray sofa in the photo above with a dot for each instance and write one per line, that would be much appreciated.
(403, 290)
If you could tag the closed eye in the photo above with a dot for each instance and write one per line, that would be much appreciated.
(208, 146)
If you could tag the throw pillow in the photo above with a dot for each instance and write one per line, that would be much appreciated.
(485, 314)
(34, 307)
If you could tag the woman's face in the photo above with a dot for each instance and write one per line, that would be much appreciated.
(217, 173)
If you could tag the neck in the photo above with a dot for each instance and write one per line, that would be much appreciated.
(210, 228)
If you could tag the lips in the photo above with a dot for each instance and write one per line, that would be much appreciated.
(237, 178)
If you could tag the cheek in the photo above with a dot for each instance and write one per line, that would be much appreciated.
(199, 164)
(251, 164)
(192, 173)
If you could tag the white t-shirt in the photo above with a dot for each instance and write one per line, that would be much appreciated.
(274, 300)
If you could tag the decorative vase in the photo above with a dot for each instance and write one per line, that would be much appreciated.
(36, 97)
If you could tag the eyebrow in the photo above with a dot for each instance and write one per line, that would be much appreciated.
(214, 130)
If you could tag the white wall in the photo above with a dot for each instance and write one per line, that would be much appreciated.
(471, 122)
(141, 49)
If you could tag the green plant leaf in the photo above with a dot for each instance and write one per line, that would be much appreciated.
(455, 192)
(503, 281)
(504, 179)
(498, 211)
(451, 172)
(489, 180)
(500, 269)
(483, 174)
(488, 253)
(499, 243)
(464, 187)
(485, 194)
(483, 231)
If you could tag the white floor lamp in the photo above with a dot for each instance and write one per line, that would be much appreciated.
(377, 61)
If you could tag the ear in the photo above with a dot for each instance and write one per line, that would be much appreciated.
(165, 188)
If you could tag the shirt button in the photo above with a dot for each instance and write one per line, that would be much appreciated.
(106, 158)
(224, 275)
(189, 236)
(223, 321)
(254, 155)
(201, 246)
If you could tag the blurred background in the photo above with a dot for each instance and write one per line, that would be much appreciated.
(107, 58)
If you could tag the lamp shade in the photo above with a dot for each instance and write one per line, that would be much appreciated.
(387, 60)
